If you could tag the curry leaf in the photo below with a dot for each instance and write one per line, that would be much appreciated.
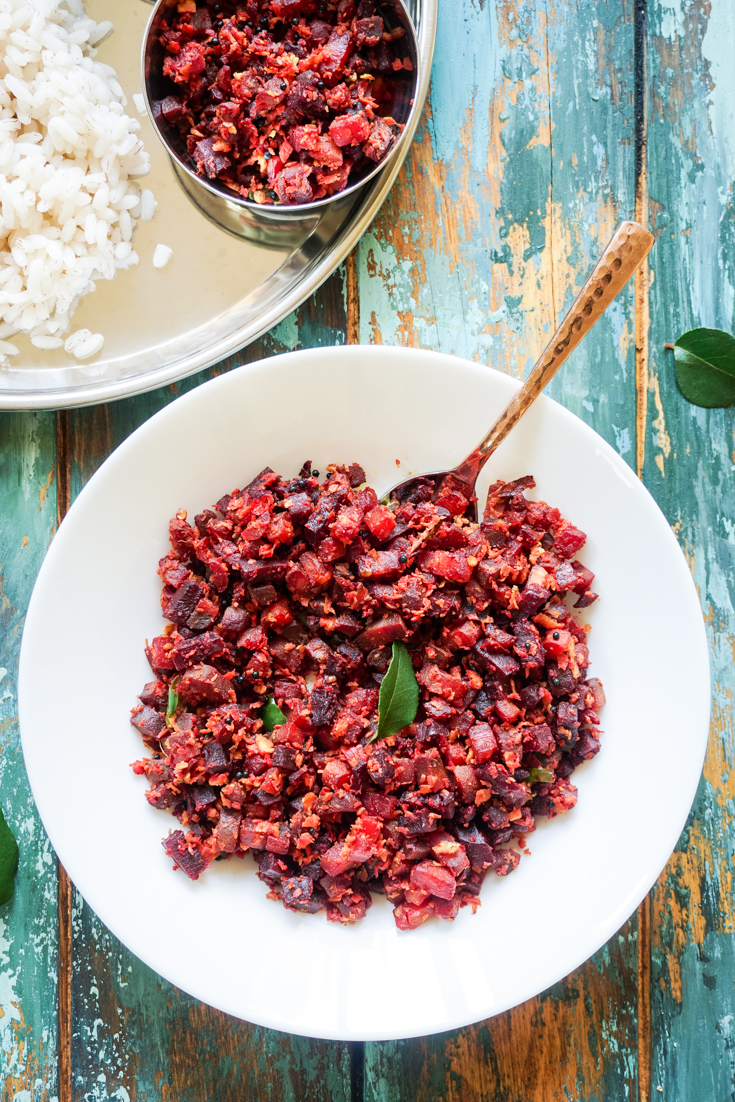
(8, 860)
(272, 715)
(540, 776)
(705, 367)
(399, 694)
(173, 703)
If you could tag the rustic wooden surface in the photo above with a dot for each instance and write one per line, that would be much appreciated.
(548, 122)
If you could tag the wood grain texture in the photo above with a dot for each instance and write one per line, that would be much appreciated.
(28, 929)
(690, 466)
(135, 1037)
(528, 156)
(522, 169)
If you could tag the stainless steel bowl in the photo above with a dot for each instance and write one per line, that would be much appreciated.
(279, 225)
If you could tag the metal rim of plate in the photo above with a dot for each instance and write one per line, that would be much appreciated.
(336, 233)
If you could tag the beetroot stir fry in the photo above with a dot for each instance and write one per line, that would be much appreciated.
(282, 100)
(284, 603)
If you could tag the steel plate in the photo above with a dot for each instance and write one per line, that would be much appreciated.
(218, 293)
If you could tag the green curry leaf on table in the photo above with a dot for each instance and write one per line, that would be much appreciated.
(8, 860)
(705, 367)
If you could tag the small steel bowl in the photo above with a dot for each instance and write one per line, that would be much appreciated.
(278, 226)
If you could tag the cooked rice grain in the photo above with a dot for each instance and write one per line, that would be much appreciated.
(69, 156)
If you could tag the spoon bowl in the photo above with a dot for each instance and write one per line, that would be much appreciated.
(625, 251)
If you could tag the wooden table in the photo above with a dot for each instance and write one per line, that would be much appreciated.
(548, 122)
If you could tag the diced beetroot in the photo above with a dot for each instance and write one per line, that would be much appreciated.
(405, 772)
(335, 53)
(378, 566)
(446, 908)
(496, 640)
(379, 805)
(336, 774)
(182, 603)
(148, 721)
(327, 811)
(188, 63)
(205, 683)
(446, 564)
(300, 506)
(279, 839)
(503, 664)
(532, 598)
(308, 576)
(467, 783)
(155, 694)
(568, 540)
(557, 642)
(453, 501)
(267, 570)
(442, 684)
(479, 853)
(449, 851)
(540, 739)
(292, 184)
(434, 879)
(368, 32)
(188, 651)
(254, 833)
(502, 784)
(351, 906)
(463, 635)
(380, 521)
(185, 855)
(234, 621)
(505, 861)
(347, 524)
(595, 687)
(483, 742)
(507, 711)
(409, 917)
(510, 741)
(382, 632)
(350, 130)
(277, 615)
(430, 771)
(288, 8)
(377, 146)
(228, 831)
(280, 529)
(253, 638)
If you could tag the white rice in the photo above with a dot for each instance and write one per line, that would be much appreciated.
(148, 206)
(161, 256)
(69, 156)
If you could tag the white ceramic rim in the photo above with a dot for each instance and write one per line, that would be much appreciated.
(688, 610)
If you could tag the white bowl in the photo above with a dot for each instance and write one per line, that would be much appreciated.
(220, 939)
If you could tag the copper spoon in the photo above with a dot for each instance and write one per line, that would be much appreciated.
(628, 246)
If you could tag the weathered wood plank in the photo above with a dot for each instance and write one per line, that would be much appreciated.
(28, 947)
(524, 165)
(689, 467)
(135, 1036)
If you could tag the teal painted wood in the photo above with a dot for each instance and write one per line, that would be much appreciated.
(518, 177)
(689, 468)
(137, 1038)
(28, 940)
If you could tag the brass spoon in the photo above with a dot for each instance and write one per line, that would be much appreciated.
(628, 246)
